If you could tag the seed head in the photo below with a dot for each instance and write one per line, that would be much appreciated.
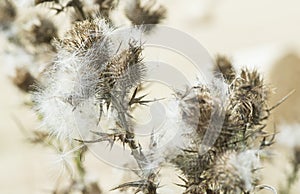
(8, 13)
(233, 172)
(84, 35)
(140, 14)
(38, 31)
(224, 66)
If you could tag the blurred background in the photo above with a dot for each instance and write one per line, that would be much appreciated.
(261, 34)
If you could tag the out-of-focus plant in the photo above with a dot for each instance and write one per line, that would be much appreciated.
(289, 137)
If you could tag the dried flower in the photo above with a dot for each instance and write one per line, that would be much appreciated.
(66, 98)
(8, 13)
(23, 79)
(37, 32)
(246, 111)
(233, 172)
(140, 14)
(228, 165)
(84, 76)
(106, 6)
(84, 35)
(224, 66)
(196, 106)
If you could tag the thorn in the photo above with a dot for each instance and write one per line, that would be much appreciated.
(281, 101)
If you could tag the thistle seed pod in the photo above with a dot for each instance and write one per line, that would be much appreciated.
(8, 13)
(85, 75)
(192, 165)
(84, 35)
(140, 14)
(233, 172)
(196, 106)
(24, 80)
(245, 113)
(66, 98)
(125, 69)
(106, 6)
(38, 31)
(224, 66)
(248, 102)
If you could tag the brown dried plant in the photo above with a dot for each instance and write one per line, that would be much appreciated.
(92, 72)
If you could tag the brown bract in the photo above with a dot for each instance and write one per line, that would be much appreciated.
(82, 36)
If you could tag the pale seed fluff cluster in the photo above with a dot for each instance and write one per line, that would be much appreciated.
(289, 135)
(90, 65)
(235, 172)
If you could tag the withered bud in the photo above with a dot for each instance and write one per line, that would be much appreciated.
(248, 99)
(122, 72)
(8, 13)
(106, 6)
(233, 173)
(38, 30)
(126, 68)
(83, 35)
(224, 66)
(24, 80)
(140, 14)
(196, 106)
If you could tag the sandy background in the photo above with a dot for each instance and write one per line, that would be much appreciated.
(257, 33)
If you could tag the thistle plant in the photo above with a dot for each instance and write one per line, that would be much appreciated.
(87, 94)
(8, 13)
(231, 164)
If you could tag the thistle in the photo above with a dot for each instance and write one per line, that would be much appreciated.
(89, 91)
(145, 14)
(38, 32)
(229, 164)
(8, 13)
(70, 84)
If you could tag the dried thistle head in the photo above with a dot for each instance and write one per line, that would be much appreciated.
(125, 69)
(196, 106)
(229, 164)
(8, 12)
(24, 80)
(122, 73)
(224, 66)
(192, 165)
(106, 6)
(248, 100)
(233, 172)
(140, 14)
(88, 72)
(84, 34)
(38, 31)
(66, 98)
(246, 111)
